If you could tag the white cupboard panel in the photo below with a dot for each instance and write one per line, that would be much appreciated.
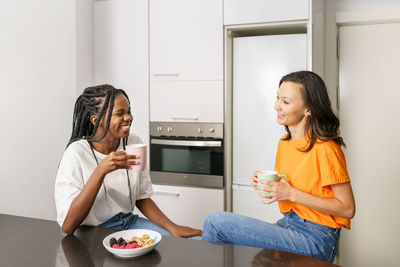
(186, 101)
(188, 205)
(256, 11)
(259, 62)
(247, 202)
(186, 39)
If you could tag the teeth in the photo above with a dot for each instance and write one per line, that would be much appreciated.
(125, 127)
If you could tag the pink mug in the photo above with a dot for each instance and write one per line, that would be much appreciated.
(138, 150)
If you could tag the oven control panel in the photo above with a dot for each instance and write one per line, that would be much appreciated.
(187, 129)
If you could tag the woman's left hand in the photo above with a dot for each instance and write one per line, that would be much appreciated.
(184, 231)
(278, 191)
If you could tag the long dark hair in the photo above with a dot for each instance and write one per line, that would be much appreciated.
(93, 101)
(322, 123)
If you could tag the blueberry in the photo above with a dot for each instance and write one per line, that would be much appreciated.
(113, 241)
(121, 241)
(131, 242)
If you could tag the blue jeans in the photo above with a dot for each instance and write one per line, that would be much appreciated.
(126, 221)
(291, 234)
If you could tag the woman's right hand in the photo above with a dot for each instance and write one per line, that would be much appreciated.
(254, 180)
(117, 160)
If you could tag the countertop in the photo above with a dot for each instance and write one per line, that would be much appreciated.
(34, 242)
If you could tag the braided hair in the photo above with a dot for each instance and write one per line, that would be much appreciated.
(93, 101)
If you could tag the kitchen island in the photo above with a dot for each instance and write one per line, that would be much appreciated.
(34, 242)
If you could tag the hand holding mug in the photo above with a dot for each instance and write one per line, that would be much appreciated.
(117, 160)
(267, 183)
(254, 180)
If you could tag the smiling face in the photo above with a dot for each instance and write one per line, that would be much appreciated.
(290, 107)
(120, 121)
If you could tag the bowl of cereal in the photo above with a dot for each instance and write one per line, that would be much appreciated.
(131, 243)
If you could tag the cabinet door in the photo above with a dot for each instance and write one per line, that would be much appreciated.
(256, 11)
(188, 205)
(186, 101)
(186, 39)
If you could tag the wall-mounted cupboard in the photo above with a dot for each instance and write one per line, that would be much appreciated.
(260, 11)
(186, 60)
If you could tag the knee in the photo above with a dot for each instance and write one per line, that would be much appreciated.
(214, 226)
(215, 218)
(214, 221)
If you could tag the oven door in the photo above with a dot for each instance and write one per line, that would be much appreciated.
(190, 162)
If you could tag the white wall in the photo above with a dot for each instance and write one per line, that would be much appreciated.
(371, 234)
(121, 54)
(38, 88)
(84, 44)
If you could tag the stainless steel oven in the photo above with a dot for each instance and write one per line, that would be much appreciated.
(188, 154)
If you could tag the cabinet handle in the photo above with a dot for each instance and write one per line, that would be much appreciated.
(194, 118)
(163, 193)
(165, 74)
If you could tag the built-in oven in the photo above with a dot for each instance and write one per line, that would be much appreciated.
(188, 154)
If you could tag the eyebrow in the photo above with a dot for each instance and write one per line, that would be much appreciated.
(284, 97)
(119, 110)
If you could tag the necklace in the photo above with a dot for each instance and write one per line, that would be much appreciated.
(127, 173)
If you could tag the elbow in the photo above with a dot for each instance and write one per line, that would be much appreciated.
(350, 212)
(66, 229)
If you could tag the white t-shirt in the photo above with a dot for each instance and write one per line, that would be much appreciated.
(76, 167)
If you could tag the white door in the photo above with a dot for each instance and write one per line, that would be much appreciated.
(259, 62)
(369, 109)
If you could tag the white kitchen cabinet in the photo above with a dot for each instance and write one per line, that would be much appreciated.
(188, 205)
(187, 101)
(186, 39)
(186, 60)
(257, 11)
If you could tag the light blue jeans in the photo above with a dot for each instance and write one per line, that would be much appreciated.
(126, 221)
(291, 234)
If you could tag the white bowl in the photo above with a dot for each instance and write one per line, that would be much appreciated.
(128, 234)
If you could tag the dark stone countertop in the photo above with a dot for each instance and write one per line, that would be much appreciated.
(34, 242)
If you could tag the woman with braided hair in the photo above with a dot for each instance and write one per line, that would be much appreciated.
(94, 185)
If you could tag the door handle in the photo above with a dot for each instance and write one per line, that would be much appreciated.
(165, 74)
(164, 193)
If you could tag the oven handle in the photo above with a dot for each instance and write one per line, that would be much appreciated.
(186, 143)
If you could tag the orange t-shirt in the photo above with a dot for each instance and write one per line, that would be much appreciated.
(312, 172)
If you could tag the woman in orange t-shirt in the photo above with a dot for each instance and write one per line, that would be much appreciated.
(316, 200)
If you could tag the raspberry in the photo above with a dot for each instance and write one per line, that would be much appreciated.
(115, 246)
